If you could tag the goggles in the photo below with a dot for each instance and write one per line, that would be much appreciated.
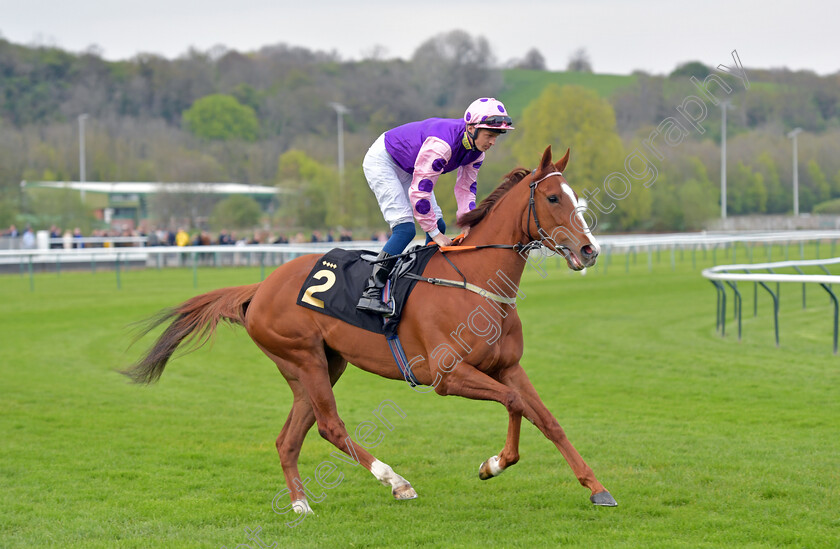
(496, 121)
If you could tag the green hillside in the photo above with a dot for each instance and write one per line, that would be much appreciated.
(521, 86)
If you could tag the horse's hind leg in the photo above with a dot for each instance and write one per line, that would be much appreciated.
(312, 385)
(331, 427)
(289, 441)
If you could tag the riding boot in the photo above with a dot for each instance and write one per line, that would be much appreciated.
(371, 300)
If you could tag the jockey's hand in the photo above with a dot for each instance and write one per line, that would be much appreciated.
(442, 240)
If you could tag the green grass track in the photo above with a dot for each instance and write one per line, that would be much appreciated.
(704, 441)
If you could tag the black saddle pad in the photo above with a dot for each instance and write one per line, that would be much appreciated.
(335, 285)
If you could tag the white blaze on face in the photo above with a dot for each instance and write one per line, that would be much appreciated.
(580, 205)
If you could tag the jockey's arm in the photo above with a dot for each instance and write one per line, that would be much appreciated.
(432, 158)
(466, 186)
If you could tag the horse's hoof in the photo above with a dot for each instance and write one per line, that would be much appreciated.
(404, 492)
(301, 507)
(604, 499)
(490, 469)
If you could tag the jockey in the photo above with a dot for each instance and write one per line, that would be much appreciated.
(402, 167)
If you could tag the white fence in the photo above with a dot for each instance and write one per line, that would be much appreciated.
(747, 273)
(57, 253)
(136, 256)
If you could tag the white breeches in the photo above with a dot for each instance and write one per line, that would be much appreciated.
(390, 184)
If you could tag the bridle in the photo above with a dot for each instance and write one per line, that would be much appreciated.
(532, 208)
(521, 249)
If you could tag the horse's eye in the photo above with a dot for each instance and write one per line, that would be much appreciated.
(553, 199)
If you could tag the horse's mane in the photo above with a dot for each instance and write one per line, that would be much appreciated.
(472, 218)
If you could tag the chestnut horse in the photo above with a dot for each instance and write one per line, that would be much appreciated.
(312, 350)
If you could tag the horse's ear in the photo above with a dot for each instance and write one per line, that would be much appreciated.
(546, 158)
(561, 164)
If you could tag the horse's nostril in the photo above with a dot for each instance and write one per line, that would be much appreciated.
(588, 251)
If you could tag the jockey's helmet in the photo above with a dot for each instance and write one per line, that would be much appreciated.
(488, 113)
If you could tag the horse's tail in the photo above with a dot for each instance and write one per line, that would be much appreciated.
(193, 321)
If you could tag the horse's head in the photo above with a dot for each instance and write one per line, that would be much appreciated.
(555, 214)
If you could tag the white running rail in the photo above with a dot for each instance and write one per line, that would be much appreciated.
(724, 273)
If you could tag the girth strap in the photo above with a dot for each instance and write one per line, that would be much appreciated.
(402, 362)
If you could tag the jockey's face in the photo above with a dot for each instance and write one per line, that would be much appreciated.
(485, 139)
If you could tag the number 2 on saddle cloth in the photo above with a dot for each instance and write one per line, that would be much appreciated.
(338, 278)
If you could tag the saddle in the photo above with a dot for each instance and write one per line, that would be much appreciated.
(338, 277)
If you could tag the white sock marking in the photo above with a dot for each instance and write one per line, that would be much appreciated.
(386, 475)
(493, 464)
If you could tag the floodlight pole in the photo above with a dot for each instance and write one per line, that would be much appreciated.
(82, 118)
(340, 111)
(792, 135)
(723, 106)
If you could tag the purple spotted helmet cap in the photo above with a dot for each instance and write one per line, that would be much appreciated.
(489, 113)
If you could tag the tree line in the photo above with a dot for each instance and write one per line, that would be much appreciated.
(265, 117)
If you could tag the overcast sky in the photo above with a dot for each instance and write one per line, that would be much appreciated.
(619, 36)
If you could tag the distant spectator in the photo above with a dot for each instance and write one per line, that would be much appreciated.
(224, 238)
(28, 240)
(346, 235)
(12, 232)
(162, 236)
(330, 237)
(77, 236)
(67, 239)
(316, 236)
(182, 238)
(282, 239)
(102, 243)
(103, 236)
(262, 237)
(55, 234)
(124, 232)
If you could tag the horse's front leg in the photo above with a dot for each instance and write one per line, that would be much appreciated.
(466, 381)
(509, 455)
(536, 412)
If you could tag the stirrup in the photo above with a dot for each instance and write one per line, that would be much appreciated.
(377, 306)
